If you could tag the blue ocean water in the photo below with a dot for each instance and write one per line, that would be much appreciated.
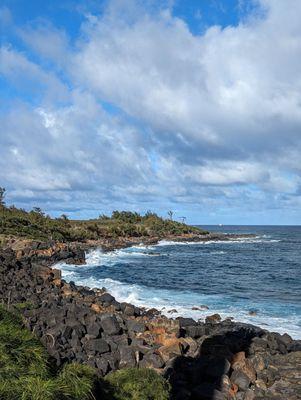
(261, 275)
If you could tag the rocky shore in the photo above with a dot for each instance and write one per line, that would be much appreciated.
(51, 252)
(209, 360)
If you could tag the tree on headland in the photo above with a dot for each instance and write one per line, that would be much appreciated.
(38, 210)
(170, 214)
(64, 217)
(103, 217)
(2, 195)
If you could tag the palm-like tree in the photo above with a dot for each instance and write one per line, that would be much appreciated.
(2, 195)
(170, 214)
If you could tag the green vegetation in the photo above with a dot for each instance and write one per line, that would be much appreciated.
(138, 384)
(25, 372)
(2, 195)
(35, 224)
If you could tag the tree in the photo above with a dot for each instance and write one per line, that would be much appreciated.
(39, 211)
(103, 217)
(183, 219)
(2, 195)
(64, 217)
(170, 214)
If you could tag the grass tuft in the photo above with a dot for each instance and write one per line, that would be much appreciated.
(24, 369)
(76, 381)
(138, 384)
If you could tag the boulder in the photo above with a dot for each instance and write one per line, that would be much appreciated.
(240, 379)
(152, 360)
(106, 298)
(127, 357)
(195, 331)
(135, 326)
(172, 349)
(93, 329)
(97, 345)
(110, 325)
(186, 322)
(213, 319)
(102, 365)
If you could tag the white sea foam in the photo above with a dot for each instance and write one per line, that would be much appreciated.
(168, 300)
(182, 302)
(254, 239)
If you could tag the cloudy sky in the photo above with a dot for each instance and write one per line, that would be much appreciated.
(188, 105)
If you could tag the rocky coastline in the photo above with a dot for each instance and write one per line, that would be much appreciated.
(202, 360)
(51, 252)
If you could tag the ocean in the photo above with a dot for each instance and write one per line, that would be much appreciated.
(255, 280)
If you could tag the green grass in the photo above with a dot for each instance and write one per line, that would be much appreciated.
(138, 384)
(36, 225)
(25, 373)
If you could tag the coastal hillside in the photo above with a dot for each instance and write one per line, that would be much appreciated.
(35, 224)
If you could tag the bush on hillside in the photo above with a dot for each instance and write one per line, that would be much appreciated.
(36, 225)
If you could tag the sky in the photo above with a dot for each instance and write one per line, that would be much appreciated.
(192, 106)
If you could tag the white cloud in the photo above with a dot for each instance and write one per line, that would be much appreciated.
(224, 86)
(210, 118)
(47, 41)
(27, 75)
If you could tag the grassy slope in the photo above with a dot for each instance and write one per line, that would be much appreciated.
(35, 225)
(25, 371)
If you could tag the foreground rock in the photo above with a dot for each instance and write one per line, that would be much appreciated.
(212, 360)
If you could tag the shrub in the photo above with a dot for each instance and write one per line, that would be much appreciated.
(76, 381)
(36, 388)
(36, 225)
(138, 384)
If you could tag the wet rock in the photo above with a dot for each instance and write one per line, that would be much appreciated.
(106, 299)
(213, 319)
(202, 307)
(185, 322)
(152, 313)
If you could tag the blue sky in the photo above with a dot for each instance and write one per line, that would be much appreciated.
(193, 106)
